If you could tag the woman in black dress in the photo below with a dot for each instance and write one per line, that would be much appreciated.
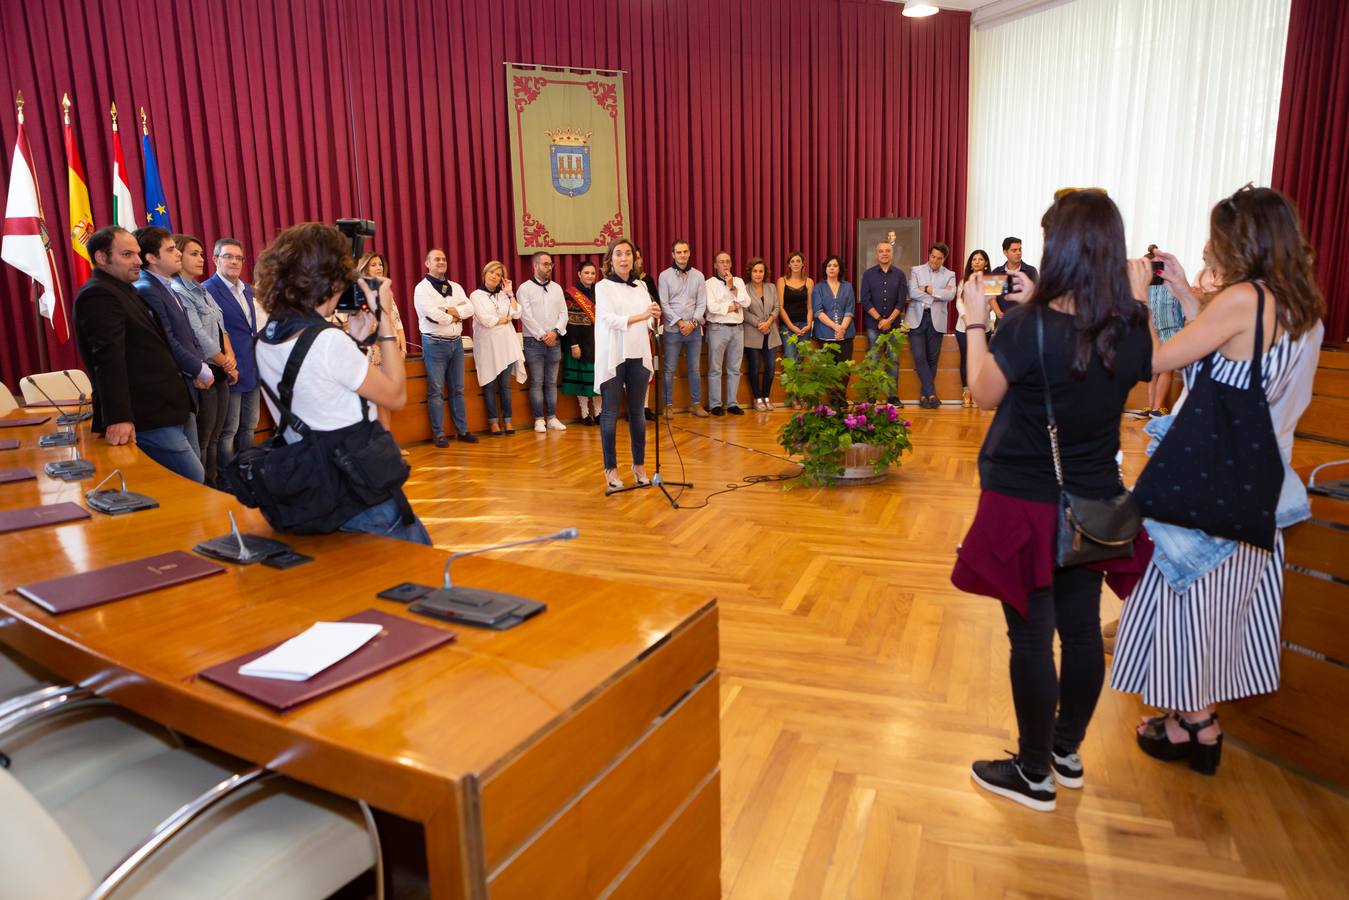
(578, 344)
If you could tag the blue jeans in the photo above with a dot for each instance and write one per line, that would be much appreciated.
(385, 520)
(496, 396)
(874, 333)
(925, 343)
(692, 344)
(632, 376)
(789, 350)
(241, 422)
(542, 362)
(444, 368)
(169, 447)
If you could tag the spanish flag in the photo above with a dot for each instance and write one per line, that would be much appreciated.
(81, 218)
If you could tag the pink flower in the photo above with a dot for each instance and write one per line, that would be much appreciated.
(893, 414)
(871, 427)
(862, 407)
(800, 419)
(907, 423)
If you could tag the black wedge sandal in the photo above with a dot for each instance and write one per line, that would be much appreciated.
(1203, 758)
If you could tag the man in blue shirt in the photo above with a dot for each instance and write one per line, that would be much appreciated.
(884, 294)
(160, 261)
(684, 307)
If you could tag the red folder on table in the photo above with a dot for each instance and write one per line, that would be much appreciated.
(22, 473)
(36, 516)
(140, 576)
(9, 445)
(400, 640)
(26, 420)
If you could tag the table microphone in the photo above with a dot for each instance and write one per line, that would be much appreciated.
(76, 386)
(65, 418)
(481, 607)
(61, 437)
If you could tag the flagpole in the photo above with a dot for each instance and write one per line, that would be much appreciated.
(39, 333)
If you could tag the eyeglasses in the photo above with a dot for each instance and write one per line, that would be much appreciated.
(230, 257)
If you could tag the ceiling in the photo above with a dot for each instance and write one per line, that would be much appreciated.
(991, 12)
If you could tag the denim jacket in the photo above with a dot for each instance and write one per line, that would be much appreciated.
(1184, 555)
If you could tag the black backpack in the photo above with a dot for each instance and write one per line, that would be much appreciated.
(316, 484)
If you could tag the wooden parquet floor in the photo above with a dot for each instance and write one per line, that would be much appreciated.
(858, 684)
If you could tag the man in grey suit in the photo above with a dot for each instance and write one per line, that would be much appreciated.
(931, 287)
(160, 261)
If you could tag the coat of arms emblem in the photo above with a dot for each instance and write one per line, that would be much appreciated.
(569, 156)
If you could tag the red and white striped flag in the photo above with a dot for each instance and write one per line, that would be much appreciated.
(25, 244)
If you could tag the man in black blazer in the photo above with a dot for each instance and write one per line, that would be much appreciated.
(1011, 248)
(139, 395)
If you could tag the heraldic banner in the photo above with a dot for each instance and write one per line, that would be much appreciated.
(569, 161)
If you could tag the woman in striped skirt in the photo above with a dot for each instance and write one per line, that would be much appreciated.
(1202, 627)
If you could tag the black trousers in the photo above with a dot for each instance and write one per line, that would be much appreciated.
(961, 343)
(1054, 708)
(843, 353)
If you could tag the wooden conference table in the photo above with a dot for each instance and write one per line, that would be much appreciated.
(574, 755)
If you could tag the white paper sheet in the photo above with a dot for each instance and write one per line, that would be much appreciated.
(310, 652)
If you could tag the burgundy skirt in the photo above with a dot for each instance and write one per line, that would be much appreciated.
(1008, 552)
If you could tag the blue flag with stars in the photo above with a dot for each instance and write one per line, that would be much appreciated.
(156, 204)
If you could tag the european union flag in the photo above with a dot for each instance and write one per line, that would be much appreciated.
(156, 204)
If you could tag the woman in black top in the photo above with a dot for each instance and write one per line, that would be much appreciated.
(1097, 346)
(794, 313)
(578, 344)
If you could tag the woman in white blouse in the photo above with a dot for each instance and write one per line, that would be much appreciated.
(625, 313)
(497, 350)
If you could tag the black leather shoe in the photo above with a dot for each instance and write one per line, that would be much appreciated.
(717, 411)
(466, 437)
(649, 415)
(442, 441)
(735, 410)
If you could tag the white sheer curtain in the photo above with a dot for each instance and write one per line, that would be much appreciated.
(1167, 104)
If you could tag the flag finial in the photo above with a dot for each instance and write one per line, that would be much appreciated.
(65, 108)
(112, 111)
(145, 126)
(18, 105)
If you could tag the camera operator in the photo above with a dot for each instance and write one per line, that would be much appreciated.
(300, 279)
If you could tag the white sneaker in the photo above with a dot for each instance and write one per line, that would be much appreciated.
(768, 405)
(539, 426)
(554, 423)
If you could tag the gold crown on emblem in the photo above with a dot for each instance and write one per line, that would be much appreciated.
(569, 137)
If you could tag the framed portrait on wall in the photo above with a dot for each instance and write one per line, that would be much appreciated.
(905, 235)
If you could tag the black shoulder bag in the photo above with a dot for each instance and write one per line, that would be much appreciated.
(1219, 468)
(1088, 530)
(316, 484)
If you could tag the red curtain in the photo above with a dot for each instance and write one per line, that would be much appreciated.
(1311, 152)
(756, 126)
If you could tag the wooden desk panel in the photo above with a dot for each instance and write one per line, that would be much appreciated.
(417, 740)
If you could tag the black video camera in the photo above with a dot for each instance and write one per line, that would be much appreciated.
(353, 300)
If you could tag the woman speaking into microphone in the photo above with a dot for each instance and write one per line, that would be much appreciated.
(624, 314)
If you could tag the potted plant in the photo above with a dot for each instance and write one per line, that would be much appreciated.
(841, 442)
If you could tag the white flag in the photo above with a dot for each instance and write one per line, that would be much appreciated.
(26, 245)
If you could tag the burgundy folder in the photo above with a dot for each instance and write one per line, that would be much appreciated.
(36, 516)
(22, 473)
(9, 445)
(128, 579)
(26, 420)
(400, 640)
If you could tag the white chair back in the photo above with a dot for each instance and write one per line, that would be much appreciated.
(59, 387)
(7, 404)
(37, 858)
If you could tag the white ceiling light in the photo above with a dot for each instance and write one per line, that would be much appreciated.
(915, 9)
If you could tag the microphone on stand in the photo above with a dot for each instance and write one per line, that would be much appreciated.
(479, 606)
(83, 415)
(62, 437)
(65, 418)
